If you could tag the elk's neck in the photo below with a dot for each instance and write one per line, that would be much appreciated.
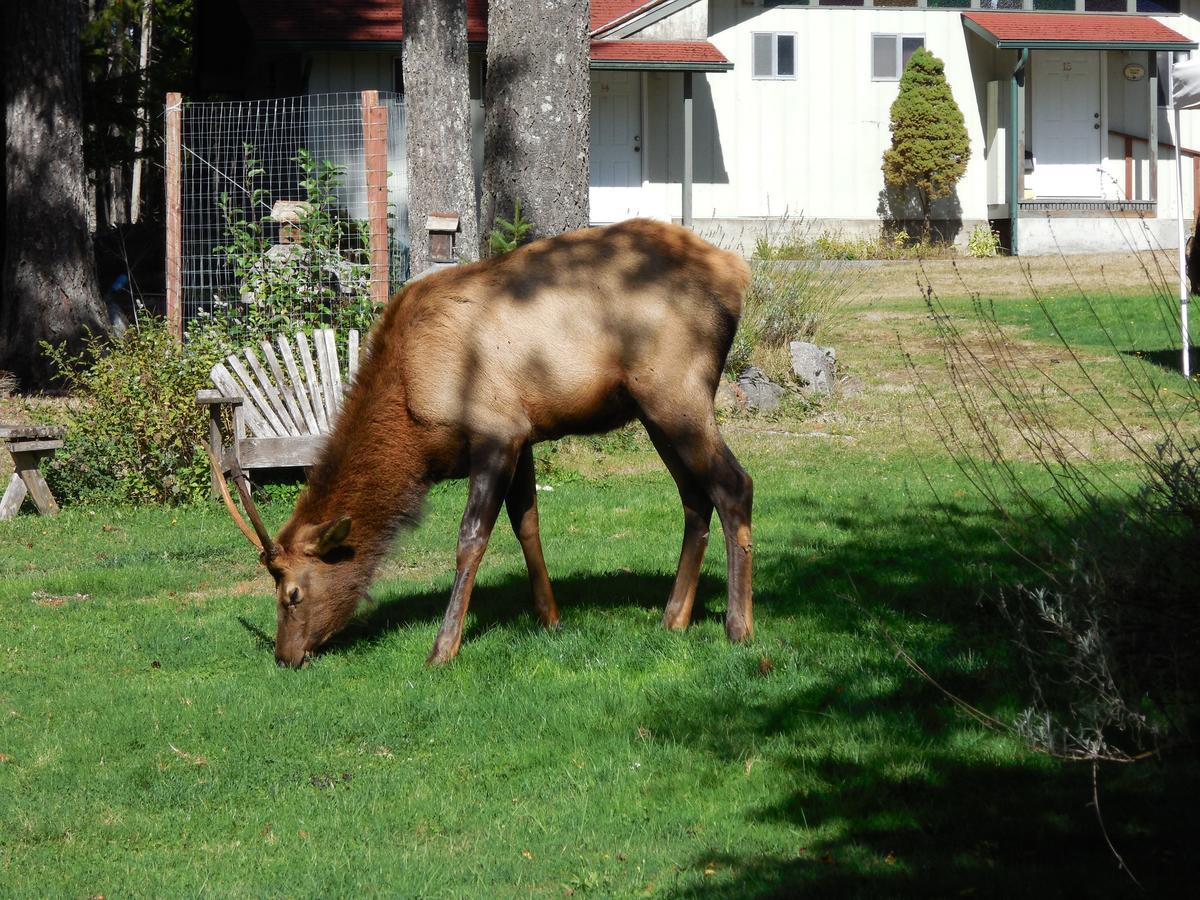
(373, 469)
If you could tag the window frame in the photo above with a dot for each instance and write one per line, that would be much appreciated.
(775, 36)
(900, 38)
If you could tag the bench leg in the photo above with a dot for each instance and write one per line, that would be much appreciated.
(217, 442)
(27, 468)
(14, 496)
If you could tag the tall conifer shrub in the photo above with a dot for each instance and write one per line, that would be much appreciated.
(930, 147)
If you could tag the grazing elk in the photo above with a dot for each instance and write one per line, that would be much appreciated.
(470, 367)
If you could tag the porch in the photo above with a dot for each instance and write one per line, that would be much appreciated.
(1077, 140)
(643, 126)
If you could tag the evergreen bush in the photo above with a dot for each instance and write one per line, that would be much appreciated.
(930, 147)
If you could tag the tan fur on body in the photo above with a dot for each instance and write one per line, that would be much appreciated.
(469, 367)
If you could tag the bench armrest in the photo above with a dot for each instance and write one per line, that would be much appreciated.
(216, 398)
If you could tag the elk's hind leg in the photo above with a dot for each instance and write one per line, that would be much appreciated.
(523, 514)
(697, 515)
(492, 467)
(693, 435)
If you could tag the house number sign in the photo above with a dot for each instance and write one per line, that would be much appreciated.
(1134, 72)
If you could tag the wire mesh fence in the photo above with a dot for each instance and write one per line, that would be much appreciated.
(281, 209)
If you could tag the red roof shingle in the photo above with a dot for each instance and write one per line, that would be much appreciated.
(1074, 28)
(342, 21)
(657, 52)
(606, 11)
(350, 21)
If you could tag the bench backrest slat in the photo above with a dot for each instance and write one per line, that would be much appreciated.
(254, 397)
(325, 369)
(352, 354)
(314, 384)
(286, 399)
(289, 361)
(229, 386)
(268, 388)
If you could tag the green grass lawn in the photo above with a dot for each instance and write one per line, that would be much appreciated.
(149, 745)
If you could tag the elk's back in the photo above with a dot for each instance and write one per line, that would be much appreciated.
(566, 334)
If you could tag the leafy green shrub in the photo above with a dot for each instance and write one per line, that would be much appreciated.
(508, 236)
(321, 279)
(930, 147)
(786, 301)
(132, 420)
(984, 242)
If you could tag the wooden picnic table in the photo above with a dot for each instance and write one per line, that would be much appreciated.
(29, 445)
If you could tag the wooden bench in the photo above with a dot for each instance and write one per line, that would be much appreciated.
(29, 445)
(282, 404)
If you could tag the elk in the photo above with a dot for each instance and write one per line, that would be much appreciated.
(468, 368)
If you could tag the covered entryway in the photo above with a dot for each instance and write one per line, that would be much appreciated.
(618, 123)
(1066, 125)
(1049, 129)
(616, 148)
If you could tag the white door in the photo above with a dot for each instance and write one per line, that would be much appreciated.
(616, 145)
(1066, 124)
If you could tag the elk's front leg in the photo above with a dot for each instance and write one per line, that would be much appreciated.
(492, 467)
(523, 514)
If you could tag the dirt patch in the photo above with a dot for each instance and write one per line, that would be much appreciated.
(53, 601)
(1012, 276)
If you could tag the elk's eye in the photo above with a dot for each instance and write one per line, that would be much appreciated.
(293, 596)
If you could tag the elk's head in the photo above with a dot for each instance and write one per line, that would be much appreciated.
(316, 592)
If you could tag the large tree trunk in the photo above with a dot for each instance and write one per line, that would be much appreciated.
(538, 106)
(49, 288)
(441, 177)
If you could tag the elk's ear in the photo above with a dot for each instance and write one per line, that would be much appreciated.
(330, 536)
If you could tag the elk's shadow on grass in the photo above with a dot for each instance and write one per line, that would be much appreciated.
(510, 601)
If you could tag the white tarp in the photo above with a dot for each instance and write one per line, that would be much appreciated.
(1186, 89)
(1184, 78)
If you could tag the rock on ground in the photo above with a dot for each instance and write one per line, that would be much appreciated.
(815, 367)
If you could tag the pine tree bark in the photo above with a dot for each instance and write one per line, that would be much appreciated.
(537, 111)
(49, 286)
(441, 177)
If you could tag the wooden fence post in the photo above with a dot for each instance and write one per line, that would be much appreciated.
(375, 160)
(174, 137)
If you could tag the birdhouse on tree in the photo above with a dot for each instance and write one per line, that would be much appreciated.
(443, 228)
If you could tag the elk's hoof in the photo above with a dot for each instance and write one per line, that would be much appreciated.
(739, 631)
(440, 656)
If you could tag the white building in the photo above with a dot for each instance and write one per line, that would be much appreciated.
(736, 114)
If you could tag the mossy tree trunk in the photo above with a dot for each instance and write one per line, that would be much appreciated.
(538, 108)
(49, 288)
(441, 176)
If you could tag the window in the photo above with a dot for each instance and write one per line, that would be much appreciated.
(890, 54)
(774, 55)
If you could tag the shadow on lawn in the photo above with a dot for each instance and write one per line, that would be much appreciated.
(894, 793)
(1171, 360)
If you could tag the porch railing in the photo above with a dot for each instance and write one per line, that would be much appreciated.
(1194, 155)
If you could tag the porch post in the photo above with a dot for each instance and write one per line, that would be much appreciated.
(1016, 149)
(1152, 129)
(687, 149)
